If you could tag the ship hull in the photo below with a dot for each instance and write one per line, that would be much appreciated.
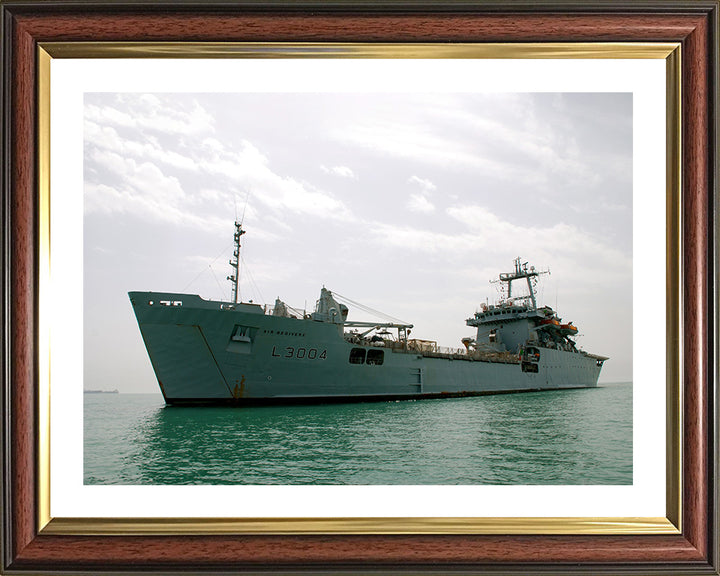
(206, 352)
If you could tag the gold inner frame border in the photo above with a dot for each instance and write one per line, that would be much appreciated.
(671, 524)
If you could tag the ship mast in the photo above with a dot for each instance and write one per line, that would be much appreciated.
(235, 263)
(522, 271)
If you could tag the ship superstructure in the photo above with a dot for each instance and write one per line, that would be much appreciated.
(205, 351)
(516, 323)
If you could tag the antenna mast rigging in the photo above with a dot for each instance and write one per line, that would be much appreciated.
(521, 272)
(235, 263)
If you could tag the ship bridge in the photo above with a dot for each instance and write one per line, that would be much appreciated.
(505, 313)
(510, 323)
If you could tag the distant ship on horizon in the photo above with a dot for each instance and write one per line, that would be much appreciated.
(241, 353)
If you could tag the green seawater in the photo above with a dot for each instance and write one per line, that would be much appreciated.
(557, 437)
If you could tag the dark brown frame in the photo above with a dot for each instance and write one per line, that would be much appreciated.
(692, 23)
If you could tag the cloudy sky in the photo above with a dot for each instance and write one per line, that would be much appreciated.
(407, 203)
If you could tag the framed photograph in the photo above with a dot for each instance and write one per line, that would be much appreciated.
(399, 156)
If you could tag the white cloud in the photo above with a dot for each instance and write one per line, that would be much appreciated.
(442, 150)
(418, 239)
(144, 177)
(151, 113)
(104, 199)
(342, 171)
(279, 193)
(560, 238)
(562, 246)
(202, 175)
(425, 184)
(107, 138)
(505, 137)
(419, 203)
(408, 141)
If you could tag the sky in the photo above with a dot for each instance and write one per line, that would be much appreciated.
(409, 203)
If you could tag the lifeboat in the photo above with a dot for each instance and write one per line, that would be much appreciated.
(568, 328)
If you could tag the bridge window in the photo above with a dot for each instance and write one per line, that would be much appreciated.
(357, 356)
(375, 357)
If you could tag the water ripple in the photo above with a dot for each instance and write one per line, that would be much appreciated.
(558, 437)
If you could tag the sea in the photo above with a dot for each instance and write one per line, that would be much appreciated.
(563, 437)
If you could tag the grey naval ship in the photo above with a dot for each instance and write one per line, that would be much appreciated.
(241, 353)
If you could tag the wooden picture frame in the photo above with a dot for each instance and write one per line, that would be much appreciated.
(28, 544)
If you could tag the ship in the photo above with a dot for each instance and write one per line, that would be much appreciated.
(243, 353)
